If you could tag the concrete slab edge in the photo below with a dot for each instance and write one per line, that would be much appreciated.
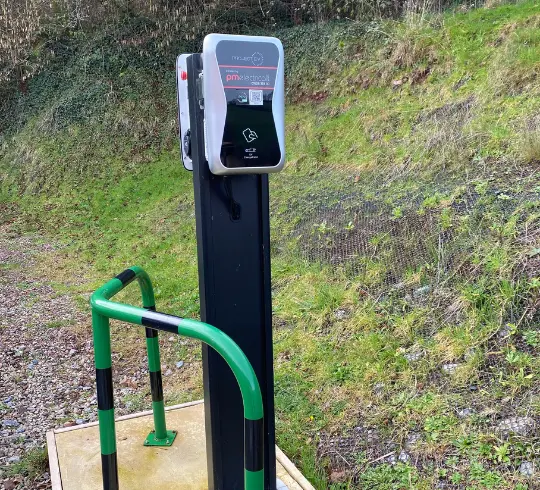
(54, 467)
(293, 470)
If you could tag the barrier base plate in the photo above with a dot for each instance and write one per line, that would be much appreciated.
(151, 439)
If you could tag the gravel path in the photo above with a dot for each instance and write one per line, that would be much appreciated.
(47, 375)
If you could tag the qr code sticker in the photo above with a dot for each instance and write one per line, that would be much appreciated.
(255, 97)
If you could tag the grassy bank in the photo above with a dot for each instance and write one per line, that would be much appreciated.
(406, 235)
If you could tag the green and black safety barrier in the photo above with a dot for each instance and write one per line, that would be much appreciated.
(102, 310)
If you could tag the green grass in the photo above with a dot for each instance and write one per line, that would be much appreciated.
(34, 463)
(144, 218)
(413, 144)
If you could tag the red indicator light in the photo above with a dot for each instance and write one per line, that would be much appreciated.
(183, 75)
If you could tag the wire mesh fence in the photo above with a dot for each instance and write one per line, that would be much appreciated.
(426, 241)
(389, 233)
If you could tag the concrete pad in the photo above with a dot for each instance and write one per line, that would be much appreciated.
(75, 457)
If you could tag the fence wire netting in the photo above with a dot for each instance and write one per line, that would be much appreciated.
(408, 234)
(430, 241)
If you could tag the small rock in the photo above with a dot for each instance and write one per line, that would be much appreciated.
(168, 372)
(413, 356)
(526, 469)
(171, 339)
(13, 459)
(391, 459)
(10, 423)
(421, 291)
(521, 426)
(341, 314)
(179, 364)
(80, 421)
(72, 352)
(378, 387)
(8, 399)
(372, 436)
(505, 331)
(450, 368)
(20, 430)
(404, 457)
(465, 412)
(69, 424)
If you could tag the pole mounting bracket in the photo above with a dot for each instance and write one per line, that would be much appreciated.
(151, 439)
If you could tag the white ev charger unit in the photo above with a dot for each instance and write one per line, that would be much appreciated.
(244, 104)
(183, 110)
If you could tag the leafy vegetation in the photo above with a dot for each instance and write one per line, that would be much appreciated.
(406, 234)
(33, 464)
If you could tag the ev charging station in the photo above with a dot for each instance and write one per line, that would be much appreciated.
(235, 99)
(231, 120)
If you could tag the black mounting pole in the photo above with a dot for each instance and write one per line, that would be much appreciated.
(233, 247)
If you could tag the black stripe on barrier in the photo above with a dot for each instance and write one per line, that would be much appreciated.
(150, 332)
(156, 386)
(253, 445)
(109, 468)
(161, 321)
(126, 277)
(104, 389)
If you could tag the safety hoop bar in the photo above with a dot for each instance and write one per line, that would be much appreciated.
(103, 309)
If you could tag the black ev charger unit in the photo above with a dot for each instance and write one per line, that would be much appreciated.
(234, 137)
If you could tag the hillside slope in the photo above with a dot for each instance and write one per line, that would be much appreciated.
(406, 232)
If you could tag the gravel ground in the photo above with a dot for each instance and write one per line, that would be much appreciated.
(47, 375)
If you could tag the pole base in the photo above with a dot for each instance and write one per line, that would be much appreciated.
(151, 440)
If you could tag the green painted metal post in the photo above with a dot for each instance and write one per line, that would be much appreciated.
(160, 436)
(156, 385)
(107, 431)
(251, 395)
